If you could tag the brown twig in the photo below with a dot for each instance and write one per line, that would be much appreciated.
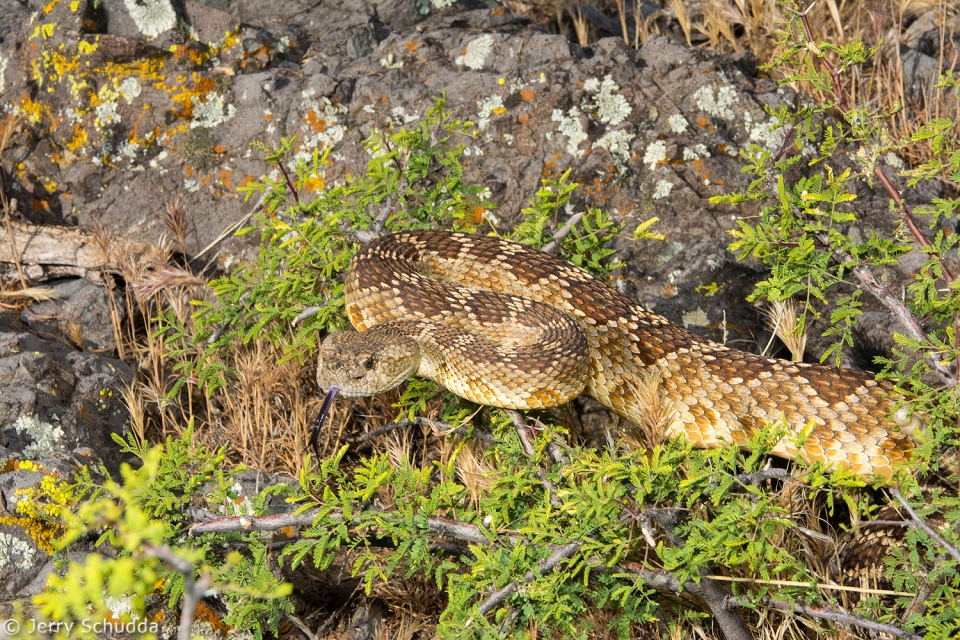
(290, 185)
(543, 567)
(664, 580)
(716, 595)
(826, 613)
(523, 430)
(436, 525)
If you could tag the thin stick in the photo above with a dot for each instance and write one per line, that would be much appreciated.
(194, 590)
(554, 245)
(825, 613)
(543, 567)
(920, 524)
(818, 585)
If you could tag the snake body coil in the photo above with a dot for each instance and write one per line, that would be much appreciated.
(506, 325)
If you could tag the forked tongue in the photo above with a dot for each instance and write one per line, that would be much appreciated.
(324, 409)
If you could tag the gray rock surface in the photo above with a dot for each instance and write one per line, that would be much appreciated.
(78, 312)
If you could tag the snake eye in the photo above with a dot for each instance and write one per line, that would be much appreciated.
(368, 362)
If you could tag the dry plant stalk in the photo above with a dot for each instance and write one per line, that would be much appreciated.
(581, 27)
(474, 470)
(679, 8)
(783, 319)
(657, 414)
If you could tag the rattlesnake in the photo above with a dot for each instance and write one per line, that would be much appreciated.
(502, 324)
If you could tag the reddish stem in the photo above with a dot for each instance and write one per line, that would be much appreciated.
(878, 171)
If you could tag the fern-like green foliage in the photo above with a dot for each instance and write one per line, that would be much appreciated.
(801, 235)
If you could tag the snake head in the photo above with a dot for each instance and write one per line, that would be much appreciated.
(367, 363)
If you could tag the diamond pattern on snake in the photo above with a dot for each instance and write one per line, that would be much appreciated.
(506, 325)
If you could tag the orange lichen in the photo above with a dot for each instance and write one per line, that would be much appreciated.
(702, 121)
(225, 176)
(314, 183)
(496, 13)
(204, 613)
(411, 46)
(523, 118)
(527, 94)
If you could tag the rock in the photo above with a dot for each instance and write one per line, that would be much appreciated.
(920, 73)
(56, 400)
(78, 313)
(649, 132)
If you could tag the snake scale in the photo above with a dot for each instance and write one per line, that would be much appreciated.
(506, 325)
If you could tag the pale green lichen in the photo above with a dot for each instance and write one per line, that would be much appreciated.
(13, 547)
(655, 154)
(389, 63)
(44, 436)
(611, 108)
(617, 142)
(695, 152)
(696, 318)
(893, 160)
(399, 116)
(678, 124)
(719, 106)
(488, 107)
(475, 55)
(662, 189)
(152, 17)
(215, 111)
(570, 126)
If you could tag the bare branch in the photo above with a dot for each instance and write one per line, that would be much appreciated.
(826, 613)
(437, 526)
(664, 580)
(554, 245)
(543, 567)
(194, 589)
(921, 524)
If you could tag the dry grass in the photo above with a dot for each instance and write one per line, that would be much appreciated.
(265, 414)
(783, 320)
(657, 414)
